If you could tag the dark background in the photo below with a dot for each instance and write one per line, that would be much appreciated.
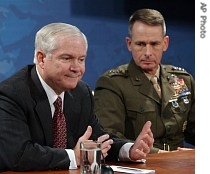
(105, 24)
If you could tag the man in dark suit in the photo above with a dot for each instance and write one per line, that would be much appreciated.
(27, 110)
(125, 98)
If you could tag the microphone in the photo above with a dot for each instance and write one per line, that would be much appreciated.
(105, 169)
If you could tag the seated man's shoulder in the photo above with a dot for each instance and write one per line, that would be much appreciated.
(174, 69)
(121, 70)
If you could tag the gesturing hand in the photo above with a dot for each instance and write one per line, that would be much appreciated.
(106, 144)
(85, 136)
(104, 139)
(143, 143)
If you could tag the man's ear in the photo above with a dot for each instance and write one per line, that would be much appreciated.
(128, 43)
(166, 43)
(40, 55)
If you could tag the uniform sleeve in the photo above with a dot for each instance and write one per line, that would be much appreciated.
(109, 107)
(190, 128)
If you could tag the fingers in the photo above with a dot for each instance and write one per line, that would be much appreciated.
(103, 138)
(87, 134)
(148, 139)
(147, 134)
(150, 133)
(140, 152)
(146, 130)
(84, 137)
(144, 147)
(143, 143)
(146, 126)
(106, 144)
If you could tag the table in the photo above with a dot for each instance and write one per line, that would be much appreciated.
(182, 162)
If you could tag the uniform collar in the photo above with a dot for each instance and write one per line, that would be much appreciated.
(157, 74)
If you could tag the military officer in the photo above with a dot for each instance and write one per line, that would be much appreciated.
(125, 97)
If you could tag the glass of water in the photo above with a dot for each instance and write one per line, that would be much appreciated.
(90, 157)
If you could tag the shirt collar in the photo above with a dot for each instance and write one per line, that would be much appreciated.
(52, 96)
(157, 74)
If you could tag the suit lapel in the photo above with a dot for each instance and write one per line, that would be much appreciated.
(42, 107)
(45, 116)
(71, 117)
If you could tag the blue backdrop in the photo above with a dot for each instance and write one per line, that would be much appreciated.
(105, 24)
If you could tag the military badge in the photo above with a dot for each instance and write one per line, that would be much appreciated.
(180, 90)
(179, 86)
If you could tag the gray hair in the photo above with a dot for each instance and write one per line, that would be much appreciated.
(148, 16)
(46, 37)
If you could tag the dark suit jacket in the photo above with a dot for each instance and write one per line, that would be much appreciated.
(125, 99)
(26, 123)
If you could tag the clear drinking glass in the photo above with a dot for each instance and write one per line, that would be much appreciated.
(90, 157)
